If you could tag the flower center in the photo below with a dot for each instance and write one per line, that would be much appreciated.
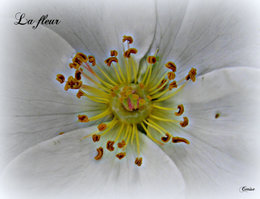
(136, 101)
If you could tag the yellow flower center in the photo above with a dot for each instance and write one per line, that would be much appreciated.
(134, 100)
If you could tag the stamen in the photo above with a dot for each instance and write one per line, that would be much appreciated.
(166, 138)
(102, 127)
(179, 139)
(154, 127)
(121, 73)
(173, 85)
(60, 78)
(110, 145)
(181, 110)
(77, 60)
(150, 136)
(92, 60)
(74, 65)
(113, 53)
(192, 74)
(120, 131)
(160, 83)
(72, 83)
(83, 118)
(161, 87)
(82, 57)
(103, 114)
(151, 59)
(109, 60)
(129, 52)
(100, 153)
(171, 75)
(185, 122)
(80, 94)
(164, 108)
(170, 65)
(121, 155)
(78, 75)
(138, 161)
(61, 133)
(127, 38)
(96, 138)
(121, 144)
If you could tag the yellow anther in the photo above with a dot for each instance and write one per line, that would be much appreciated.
(102, 127)
(74, 65)
(170, 65)
(96, 138)
(72, 83)
(129, 52)
(121, 144)
(141, 102)
(100, 153)
(139, 161)
(171, 75)
(151, 59)
(135, 96)
(185, 122)
(61, 133)
(60, 78)
(77, 60)
(192, 74)
(82, 57)
(166, 138)
(180, 111)
(109, 60)
(179, 139)
(121, 155)
(78, 75)
(83, 118)
(173, 85)
(92, 60)
(113, 53)
(80, 94)
(127, 38)
(110, 145)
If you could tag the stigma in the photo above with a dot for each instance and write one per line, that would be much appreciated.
(136, 103)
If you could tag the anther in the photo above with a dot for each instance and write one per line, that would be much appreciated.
(110, 145)
(77, 60)
(74, 65)
(171, 75)
(80, 94)
(180, 111)
(192, 74)
(166, 138)
(121, 144)
(82, 57)
(127, 38)
(170, 65)
(72, 83)
(113, 53)
(77, 75)
(83, 118)
(100, 153)
(141, 85)
(161, 84)
(109, 60)
(138, 161)
(121, 155)
(96, 138)
(102, 127)
(149, 97)
(92, 60)
(173, 85)
(179, 139)
(151, 59)
(60, 78)
(61, 133)
(185, 122)
(129, 52)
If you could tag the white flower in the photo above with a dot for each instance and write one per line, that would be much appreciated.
(219, 39)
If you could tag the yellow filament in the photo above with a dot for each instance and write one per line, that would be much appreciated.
(154, 127)
(128, 137)
(160, 94)
(97, 99)
(134, 69)
(165, 108)
(133, 133)
(158, 89)
(117, 75)
(159, 82)
(146, 73)
(149, 135)
(120, 132)
(149, 76)
(164, 119)
(121, 73)
(110, 126)
(157, 125)
(126, 133)
(128, 70)
(95, 91)
(103, 114)
(88, 135)
(137, 142)
(96, 83)
(172, 94)
(109, 79)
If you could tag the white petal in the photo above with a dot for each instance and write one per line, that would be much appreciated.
(223, 151)
(35, 105)
(64, 167)
(210, 35)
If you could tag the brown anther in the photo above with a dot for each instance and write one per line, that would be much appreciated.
(161, 84)
(151, 59)
(217, 115)
(83, 118)
(141, 85)
(170, 65)
(102, 127)
(179, 139)
(109, 60)
(61, 133)
(100, 153)
(113, 53)
(171, 75)
(121, 144)
(129, 52)
(80, 94)
(180, 111)
(77, 75)
(92, 60)
(173, 85)
(138, 161)
(185, 122)
(96, 138)
(74, 65)
(77, 60)
(110, 145)
(60, 78)
(72, 83)
(82, 57)
(127, 38)
(166, 138)
(192, 75)
(121, 155)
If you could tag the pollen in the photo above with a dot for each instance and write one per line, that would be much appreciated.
(102, 127)
(139, 161)
(60, 78)
(83, 118)
(185, 122)
(180, 111)
(121, 155)
(100, 153)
